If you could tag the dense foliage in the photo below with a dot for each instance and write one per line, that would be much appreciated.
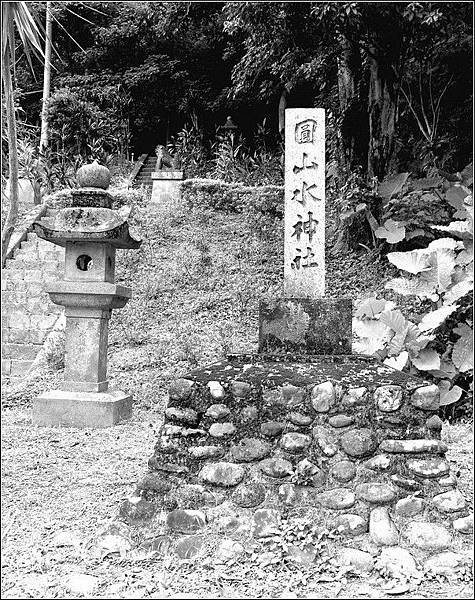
(393, 78)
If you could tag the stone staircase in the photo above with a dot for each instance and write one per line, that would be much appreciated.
(28, 315)
(144, 176)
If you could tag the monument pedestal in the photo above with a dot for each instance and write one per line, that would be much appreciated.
(166, 188)
(81, 409)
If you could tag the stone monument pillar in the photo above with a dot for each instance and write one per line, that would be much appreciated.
(304, 322)
(91, 232)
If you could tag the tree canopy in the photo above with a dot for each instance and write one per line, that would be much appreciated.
(394, 78)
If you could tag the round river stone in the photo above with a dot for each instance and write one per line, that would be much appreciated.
(375, 493)
(427, 536)
(388, 397)
(249, 449)
(426, 398)
(222, 429)
(341, 420)
(272, 428)
(358, 442)
(250, 495)
(222, 473)
(186, 521)
(344, 471)
(295, 442)
(300, 419)
(217, 412)
(337, 499)
(429, 467)
(450, 501)
(323, 396)
(276, 467)
(326, 441)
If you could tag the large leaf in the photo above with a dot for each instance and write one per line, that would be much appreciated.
(459, 290)
(371, 336)
(449, 395)
(370, 307)
(467, 175)
(390, 186)
(435, 318)
(442, 263)
(447, 370)
(391, 231)
(394, 319)
(447, 243)
(412, 287)
(460, 229)
(415, 342)
(427, 360)
(462, 354)
(456, 195)
(415, 261)
(465, 257)
(397, 362)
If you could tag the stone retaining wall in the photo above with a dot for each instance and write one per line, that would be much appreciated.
(352, 441)
(28, 315)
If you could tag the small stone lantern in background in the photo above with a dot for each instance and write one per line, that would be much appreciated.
(229, 129)
(91, 232)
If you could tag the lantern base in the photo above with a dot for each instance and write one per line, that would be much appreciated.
(59, 408)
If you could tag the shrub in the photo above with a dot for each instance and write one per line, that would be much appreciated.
(438, 343)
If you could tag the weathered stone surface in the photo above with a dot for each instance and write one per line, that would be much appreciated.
(448, 481)
(426, 398)
(155, 482)
(337, 498)
(250, 495)
(327, 442)
(302, 325)
(292, 395)
(358, 442)
(428, 467)
(380, 462)
(341, 420)
(397, 562)
(295, 442)
(272, 428)
(249, 413)
(388, 398)
(323, 397)
(450, 501)
(204, 452)
(427, 536)
(464, 524)
(375, 493)
(182, 415)
(222, 473)
(216, 390)
(319, 480)
(189, 547)
(299, 419)
(229, 550)
(349, 524)
(288, 493)
(434, 423)
(356, 396)
(217, 412)
(240, 389)
(181, 389)
(220, 430)
(443, 563)
(157, 465)
(412, 446)
(249, 449)
(265, 522)
(359, 560)
(343, 470)
(406, 483)
(136, 508)
(382, 530)
(276, 467)
(408, 507)
(186, 521)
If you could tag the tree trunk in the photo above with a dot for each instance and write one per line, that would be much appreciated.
(46, 80)
(12, 215)
(382, 107)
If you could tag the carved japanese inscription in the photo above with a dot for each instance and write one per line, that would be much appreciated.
(304, 220)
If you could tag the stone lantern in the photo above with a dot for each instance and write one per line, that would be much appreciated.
(229, 129)
(91, 231)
